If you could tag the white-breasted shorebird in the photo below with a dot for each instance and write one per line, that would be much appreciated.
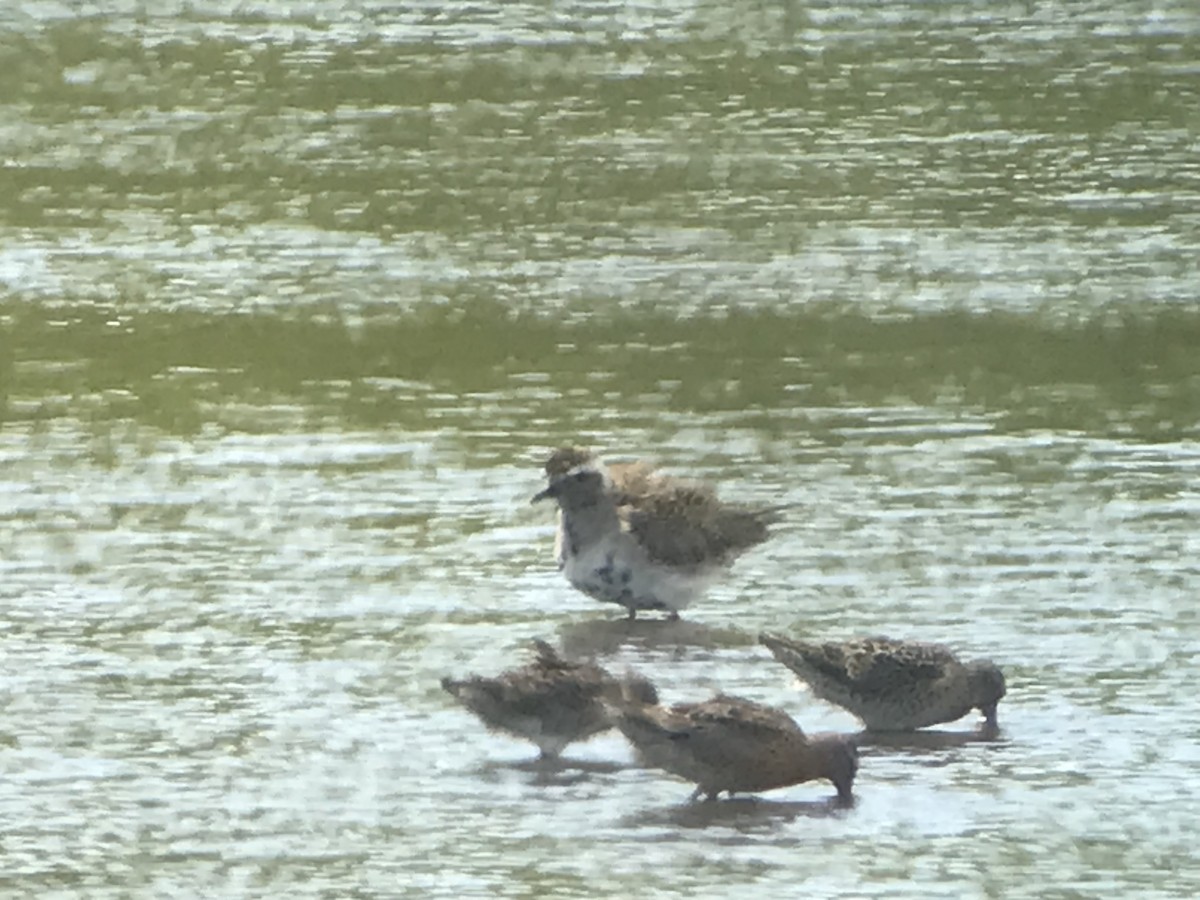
(630, 535)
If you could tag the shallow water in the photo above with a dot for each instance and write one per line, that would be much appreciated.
(295, 305)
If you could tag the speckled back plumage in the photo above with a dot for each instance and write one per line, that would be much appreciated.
(687, 526)
(732, 744)
(892, 685)
(551, 701)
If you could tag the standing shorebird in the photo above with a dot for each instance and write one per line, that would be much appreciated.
(632, 536)
(893, 685)
(551, 701)
(735, 745)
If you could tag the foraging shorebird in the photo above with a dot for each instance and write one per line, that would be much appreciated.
(893, 685)
(551, 701)
(632, 536)
(735, 745)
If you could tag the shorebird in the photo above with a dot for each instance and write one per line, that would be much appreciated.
(893, 685)
(551, 701)
(630, 535)
(735, 745)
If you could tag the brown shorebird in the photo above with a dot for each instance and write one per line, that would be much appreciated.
(630, 535)
(893, 685)
(551, 701)
(735, 745)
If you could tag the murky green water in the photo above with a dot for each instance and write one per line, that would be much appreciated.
(296, 298)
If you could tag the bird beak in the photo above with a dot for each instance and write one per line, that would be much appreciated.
(845, 794)
(544, 495)
(989, 716)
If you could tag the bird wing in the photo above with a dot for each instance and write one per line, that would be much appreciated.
(531, 689)
(729, 731)
(549, 679)
(738, 715)
(687, 525)
(875, 666)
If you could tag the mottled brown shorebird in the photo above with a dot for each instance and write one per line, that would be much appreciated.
(893, 685)
(735, 745)
(551, 701)
(630, 535)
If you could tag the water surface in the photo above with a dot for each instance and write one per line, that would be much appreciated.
(295, 302)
